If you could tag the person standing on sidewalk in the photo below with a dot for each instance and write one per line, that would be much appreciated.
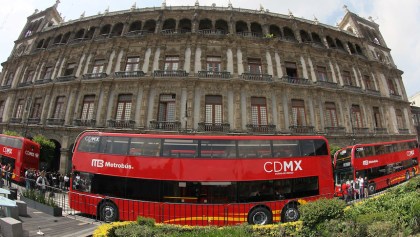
(9, 175)
(42, 183)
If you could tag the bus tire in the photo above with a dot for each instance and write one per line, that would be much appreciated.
(413, 171)
(108, 212)
(407, 175)
(290, 213)
(260, 216)
(371, 188)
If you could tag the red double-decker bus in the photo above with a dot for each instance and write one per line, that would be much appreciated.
(197, 179)
(21, 153)
(384, 164)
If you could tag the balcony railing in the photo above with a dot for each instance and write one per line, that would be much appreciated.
(26, 83)
(102, 37)
(137, 33)
(214, 127)
(15, 120)
(289, 39)
(380, 130)
(296, 80)
(395, 96)
(212, 74)
(85, 123)
(55, 121)
(168, 32)
(256, 77)
(403, 131)
(249, 34)
(372, 92)
(170, 73)
(301, 129)
(5, 87)
(66, 78)
(211, 32)
(42, 81)
(335, 130)
(129, 74)
(34, 120)
(361, 131)
(121, 123)
(317, 44)
(95, 75)
(269, 128)
(328, 84)
(352, 88)
(165, 125)
(78, 40)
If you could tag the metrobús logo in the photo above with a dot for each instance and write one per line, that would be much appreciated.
(410, 153)
(7, 150)
(282, 167)
(101, 163)
(368, 162)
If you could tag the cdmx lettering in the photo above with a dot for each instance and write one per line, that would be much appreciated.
(7, 150)
(282, 166)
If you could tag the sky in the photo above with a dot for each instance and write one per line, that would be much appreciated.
(398, 20)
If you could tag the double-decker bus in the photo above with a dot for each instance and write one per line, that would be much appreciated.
(21, 153)
(384, 164)
(197, 179)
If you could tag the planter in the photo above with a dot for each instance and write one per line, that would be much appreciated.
(53, 211)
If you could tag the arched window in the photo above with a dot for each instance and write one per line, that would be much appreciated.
(316, 38)
(169, 25)
(185, 25)
(65, 38)
(117, 29)
(222, 27)
(57, 39)
(79, 34)
(135, 26)
(150, 26)
(256, 29)
(90, 33)
(241, 27)
(205, 24)
(105, 30)
(352, 50)
(330, 42)
(305, 36)
(275, 31)
(289, 34)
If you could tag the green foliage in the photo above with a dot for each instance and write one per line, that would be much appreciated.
(12, 133)
(333, 150)
(47, 149)
(145, 221)
(382, 229)
(337, 228)
(321, 210)
(39, 197)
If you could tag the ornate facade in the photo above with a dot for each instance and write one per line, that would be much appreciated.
(202, 69)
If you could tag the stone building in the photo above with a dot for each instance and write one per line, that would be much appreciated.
(199, 69)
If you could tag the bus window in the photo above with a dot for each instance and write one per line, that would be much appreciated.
(321, 147)
(89, 144)
(184, 148)
(144, 147)
(307, 147)
(286, 148)
(114, 145)
(218, 149)
(254, 148)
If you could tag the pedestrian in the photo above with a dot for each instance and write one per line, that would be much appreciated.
(61, 181)
(344, 191)
(27, 179)
(366, 187)
(9, 175)
(66, 181)
(42, 183)
(361, 185)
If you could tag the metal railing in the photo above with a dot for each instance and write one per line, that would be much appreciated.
(352, 88)
(129, 74)
(380, 130)
(94, 75)
(256, 77)
(328, 84)
(26, 83)
(165, 125)
(42, 81)
(296, 80)
(213, 127)
(66, 78)
(214, 74)
(34, 120)
(85, 122)
(258, 128)
(211, 32)
(249, 34)
(15, 120)
(335, 130)
(55, 121)
(137, 33)
(121, 123)
(403, 131)
(170, 73)
(301, 129)
(360, 131)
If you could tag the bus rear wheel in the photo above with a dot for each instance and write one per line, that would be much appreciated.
(290, 213)
(407, 175)
(372, 188)
(260, 216)
(108, 212)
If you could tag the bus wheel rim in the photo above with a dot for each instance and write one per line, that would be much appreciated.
(291, 214)
(260, 218)
(108, 212)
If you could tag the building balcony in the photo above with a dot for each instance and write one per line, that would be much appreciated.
(15, 120)
(66, 78)
(258, 128)
(98, 75)
(327, 84)
(288, 39)
(211, 32)
(42, 81)
(296, 80)
(213, 127)
(395, 96)
(403, 131)
(102, 37)
(55, 122)
(121, 123)
(168, 32)
(5, 87)
(165, 125)
(170, 73)
(34, 120)
(212, 74)
(317, 44)
(352, 88)
(373, 92)
(380, 131)
(256, 77)
(360, 131)
(335, 130)
(85, 123)
(248, 34)
(78, 40)
(24, 84)
(129, 74)
(302, 129)
(137, 33)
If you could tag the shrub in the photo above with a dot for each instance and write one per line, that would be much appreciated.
(145, 221)
(108, 230)
(321, 210)
(337, 228)
(382, 229)
(134, 230)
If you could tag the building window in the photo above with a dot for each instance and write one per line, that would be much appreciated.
(88, 107)
(9, 79)
(1, 110)
(298, 113)
(132, 64)
(400, 121)
(171, 63)
(391, 87)
(36, 109)
(291, 70)
(254, 66)
(258, 111)
(19, 109)
(377, 117)
(213, 109)
(347, 79)
(356, 116)
(59, 107)
(70, 69)
(331, 115)
(99, 66)
(213, 64)
(322, 73)
(30, 76)
(124, 107)
(47, 73)
(166, 111)
(369, 83)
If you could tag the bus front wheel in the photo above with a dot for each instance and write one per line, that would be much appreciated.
(290, 213)
(407, 175)
(260, 216)
(372, 188)
(108, 212)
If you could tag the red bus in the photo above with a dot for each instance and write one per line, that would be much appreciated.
(197, 179)
(21, 153)
(384, 164)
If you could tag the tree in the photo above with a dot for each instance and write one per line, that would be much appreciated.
(11, 133)
(46, 155)
(333, 150)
